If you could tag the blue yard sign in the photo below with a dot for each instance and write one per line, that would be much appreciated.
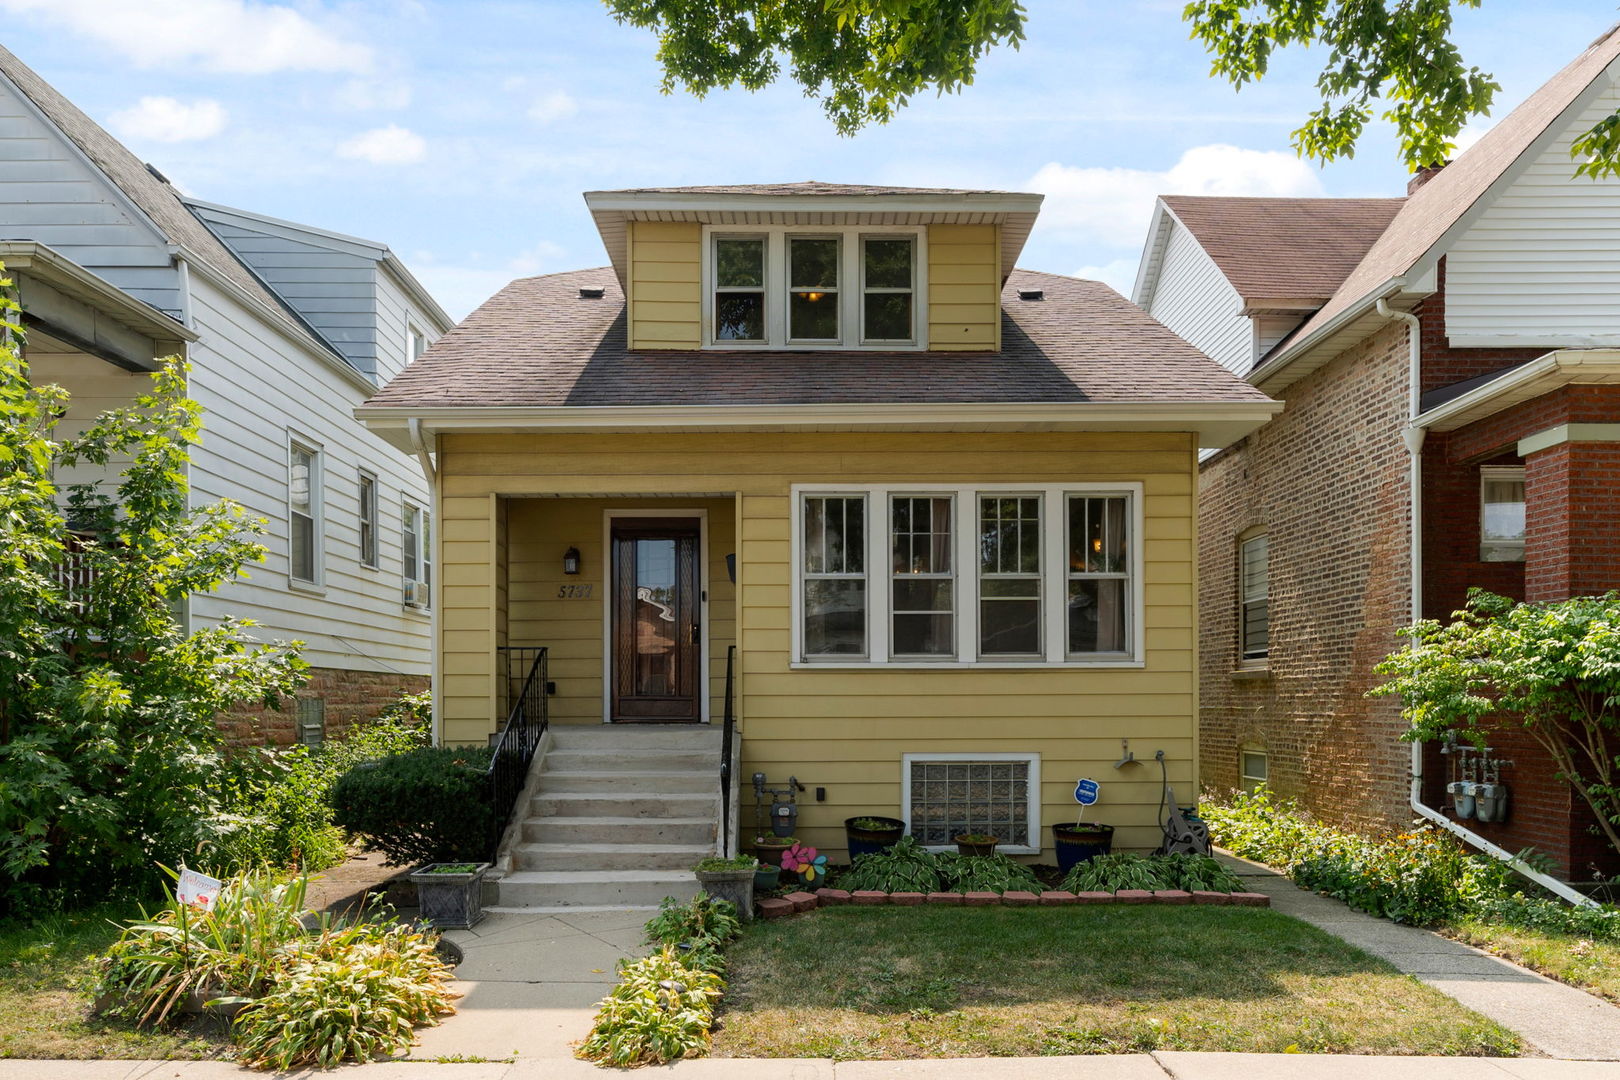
(1085, 792)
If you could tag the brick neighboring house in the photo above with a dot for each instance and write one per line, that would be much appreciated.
(1463, 343)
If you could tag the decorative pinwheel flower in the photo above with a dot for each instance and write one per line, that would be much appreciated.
(804, 861)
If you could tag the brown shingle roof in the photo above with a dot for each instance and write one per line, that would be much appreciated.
(1442, 202)
(800, 187)
(537, 343)
(1284, 248)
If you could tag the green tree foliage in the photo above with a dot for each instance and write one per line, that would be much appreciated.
(864, 59)
(107, 704)
(1398, 52)
(1552, 668)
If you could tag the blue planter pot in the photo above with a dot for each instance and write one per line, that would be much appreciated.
(1078, 843)
(872, 841)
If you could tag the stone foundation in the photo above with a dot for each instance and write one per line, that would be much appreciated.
(348, 696)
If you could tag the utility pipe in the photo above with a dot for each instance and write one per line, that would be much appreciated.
(1413, 436)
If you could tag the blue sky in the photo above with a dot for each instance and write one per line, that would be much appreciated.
(462, 133)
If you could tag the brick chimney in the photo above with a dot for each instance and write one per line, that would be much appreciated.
(1423, 176)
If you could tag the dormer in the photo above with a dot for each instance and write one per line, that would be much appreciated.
(813, 266)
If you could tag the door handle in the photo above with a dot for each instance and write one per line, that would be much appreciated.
(696, 639)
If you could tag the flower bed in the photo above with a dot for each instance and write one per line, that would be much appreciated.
(801, 902)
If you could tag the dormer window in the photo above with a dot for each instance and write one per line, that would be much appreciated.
(839, 288)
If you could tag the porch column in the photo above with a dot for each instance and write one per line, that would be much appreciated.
(1572, 511)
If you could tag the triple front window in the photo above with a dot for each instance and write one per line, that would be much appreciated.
(842, 288)
(968, 575)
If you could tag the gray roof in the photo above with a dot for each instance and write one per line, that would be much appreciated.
(799, 187)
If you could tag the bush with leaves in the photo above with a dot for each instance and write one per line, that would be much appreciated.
(427, 805)
(107, 703)
(1112, 872)
(905, 867)
(660, 1010)
(995, 873)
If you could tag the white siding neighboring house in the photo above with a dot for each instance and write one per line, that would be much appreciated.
(1188, 293)
(288, 329)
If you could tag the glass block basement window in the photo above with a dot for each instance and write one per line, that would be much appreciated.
(949, 798)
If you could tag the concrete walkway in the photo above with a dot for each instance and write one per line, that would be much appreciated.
(530, 983)
(1158, 1066)
(1554, 1019)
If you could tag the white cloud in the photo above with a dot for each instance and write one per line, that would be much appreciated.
(164, 119)
(461, 287)
(244, 37)
(553, 106)
(1112, 206)
(363, 95)
(1118, 273)
(391, 145)
(1471, 134)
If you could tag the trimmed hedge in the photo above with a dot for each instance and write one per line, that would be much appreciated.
(429, 805)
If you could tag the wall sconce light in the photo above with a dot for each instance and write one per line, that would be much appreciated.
(571, 561)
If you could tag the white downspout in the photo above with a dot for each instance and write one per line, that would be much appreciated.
(431, 474)
(1413, 437)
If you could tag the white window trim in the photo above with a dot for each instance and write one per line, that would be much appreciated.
(317, 510)
(1243, 777)
(1246, 662)
(422, 551)
(850, 287)
(1500, 550)
(412, 332)
(375, 561)
(1033, 795)
(1054, 577)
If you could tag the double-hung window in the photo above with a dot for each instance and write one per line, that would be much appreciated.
(976, 575)
(304, 514)
(416, 544)
(1254, 588)
(368, 519)
(1501, 514)
(844, 287)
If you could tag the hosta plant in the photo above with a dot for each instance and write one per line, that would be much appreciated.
(986, 873)
(1112, 872)
(661, 1010)
(905, 867)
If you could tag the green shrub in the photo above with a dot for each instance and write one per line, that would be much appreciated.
(701, 918)
(1551, 916)
(660, 1010)
(985, 873)
(428, 805)
(717, 864)
(905, 867)
(1194, 873)
(351, 994)
(1112, 872)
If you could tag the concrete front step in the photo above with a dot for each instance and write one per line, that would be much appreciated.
(633, 759)
(582, 782)
(619, 830)
(630, 856)
(593, 888)
(636, 736)
(607, 804)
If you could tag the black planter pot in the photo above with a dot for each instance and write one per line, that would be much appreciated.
(1079, 842)
(872, 841)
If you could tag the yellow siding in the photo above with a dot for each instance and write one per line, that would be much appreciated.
(844, 730)
(666, 309)
(964, 287)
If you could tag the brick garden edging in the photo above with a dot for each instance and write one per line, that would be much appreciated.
(794, 903)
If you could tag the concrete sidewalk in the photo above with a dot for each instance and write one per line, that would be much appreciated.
(1554, 1019)
(1158, 1066)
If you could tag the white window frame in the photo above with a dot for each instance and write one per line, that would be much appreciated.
(414, 334)
(800, 576)
(1244, 600)
(1033, 795)
(839, 287)
(372, 559)
(953, 576)
(914, 291)
(420, 545)
(1054, 577)
(297, 443)
(1500, 550)
(851, 287)
(1249, 782)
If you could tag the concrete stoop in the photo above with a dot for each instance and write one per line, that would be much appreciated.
(618, 816)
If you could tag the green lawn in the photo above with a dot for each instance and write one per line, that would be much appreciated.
(852, 983)
(45, 971)
(1593, 966)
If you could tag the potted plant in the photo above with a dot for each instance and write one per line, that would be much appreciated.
(450, 895)
(870, 835)
(977, 844)
(730, 879)
(1081, 841)
(770, 849)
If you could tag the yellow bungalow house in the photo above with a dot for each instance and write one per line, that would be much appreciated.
(812, 470)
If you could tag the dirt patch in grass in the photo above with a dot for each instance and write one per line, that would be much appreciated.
(854, 983)
(1591, 965)
(46, 970)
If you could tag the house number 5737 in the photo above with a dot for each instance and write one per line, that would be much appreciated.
(573, 592)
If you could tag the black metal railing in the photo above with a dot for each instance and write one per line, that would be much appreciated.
(527, 713)
(728, 732)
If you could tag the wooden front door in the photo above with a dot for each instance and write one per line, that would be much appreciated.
(656, 637)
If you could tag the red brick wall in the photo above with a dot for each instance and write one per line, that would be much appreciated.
(1328, 480)
(1572, 531)
(350, 696)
